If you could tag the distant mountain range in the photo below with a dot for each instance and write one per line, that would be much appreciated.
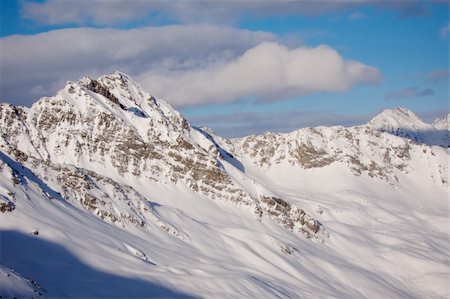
(106, 192)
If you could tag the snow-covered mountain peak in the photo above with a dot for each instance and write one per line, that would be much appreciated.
(120, 89)
(114, 96)
(404, 123)
(442, 123)
(393, 119)
(110, 128)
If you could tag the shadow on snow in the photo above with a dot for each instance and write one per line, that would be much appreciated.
(428, 137)
(63, 275)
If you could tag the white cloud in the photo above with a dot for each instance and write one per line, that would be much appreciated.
(113, 12)
(54, 12)
(32, 64)
(269, 71)
(445, 31)
(118, 11)
(356, 16)
(438, 75)
(409, 92)
(186, 65)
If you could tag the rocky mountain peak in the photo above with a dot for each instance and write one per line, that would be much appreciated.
(129, 95)
(109, 131)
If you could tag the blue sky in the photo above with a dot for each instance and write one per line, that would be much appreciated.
(333, 63)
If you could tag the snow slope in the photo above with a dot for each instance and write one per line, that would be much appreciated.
(107, 192)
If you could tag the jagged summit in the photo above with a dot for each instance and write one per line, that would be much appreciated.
(399, 118)
(129, 95)
(114, 96)
(120, 89)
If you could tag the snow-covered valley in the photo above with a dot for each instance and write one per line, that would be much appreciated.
(106, 192)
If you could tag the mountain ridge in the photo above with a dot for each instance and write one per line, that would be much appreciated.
(103, 153)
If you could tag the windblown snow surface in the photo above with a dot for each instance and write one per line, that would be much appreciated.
(316, 213)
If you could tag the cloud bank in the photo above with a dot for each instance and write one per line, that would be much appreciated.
(445, 31)
(113, 12)
(269, 71)
(438, 76)
(38, 65)
(186, 65)
(409, 92)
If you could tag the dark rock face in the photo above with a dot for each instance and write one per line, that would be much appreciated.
(97, 87)
(290, 216)
(7, 207)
